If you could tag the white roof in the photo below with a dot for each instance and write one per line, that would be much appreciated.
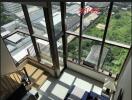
(42, 42)
(5, 33)
(18, 56)
(15, 38)
(10, 47)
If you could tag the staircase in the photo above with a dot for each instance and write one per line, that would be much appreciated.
(36, 75)
(11, 81)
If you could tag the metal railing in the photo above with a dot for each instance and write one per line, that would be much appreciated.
(11, 81)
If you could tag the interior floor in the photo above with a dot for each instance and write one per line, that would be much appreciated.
(56, 89)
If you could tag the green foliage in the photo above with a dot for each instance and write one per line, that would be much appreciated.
(115, 59)
(119, 30)
(73, 48)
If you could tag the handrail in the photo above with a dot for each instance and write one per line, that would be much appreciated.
(11, 72)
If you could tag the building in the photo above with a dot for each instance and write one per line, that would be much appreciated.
(51, 56)
(11, 7)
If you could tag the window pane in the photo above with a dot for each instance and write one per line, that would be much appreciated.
(60, 53)
(56, 14)
(20, 45)
(94, 18)
(120, 23)
(44, 49)
(11, 18)
(90, 52)
(73, 16)
(37, 18)
(114, 59)
(73, 45)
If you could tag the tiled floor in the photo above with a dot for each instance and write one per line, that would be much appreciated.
(56, 89)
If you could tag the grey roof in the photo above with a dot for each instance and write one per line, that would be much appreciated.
(72, 21)
(73, 9)
(97, 4)
(93, 56)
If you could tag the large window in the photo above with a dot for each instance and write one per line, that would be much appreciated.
(56, 15)
(120, 23)
(44, 50)
(94, 19)
(11, 18)
(116, 43)
(60, 53)
(19, 46)
(37, 18)
(89, 46)
(73, 16)
(114, 59)
(119, 32)
(73, 45)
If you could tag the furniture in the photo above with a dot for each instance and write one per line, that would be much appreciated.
(76, 93)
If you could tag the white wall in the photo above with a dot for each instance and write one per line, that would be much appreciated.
(7, 65)
(93, 74)
(125, 81)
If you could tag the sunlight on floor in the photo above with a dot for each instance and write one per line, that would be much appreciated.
(97, 90)
(83, 84)
(59, 91)
(45, 86)
(67, 78)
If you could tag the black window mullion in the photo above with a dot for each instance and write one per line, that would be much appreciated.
(28, 21)
(105, 32)
(80, 33)
(51, 37)
(64, 37)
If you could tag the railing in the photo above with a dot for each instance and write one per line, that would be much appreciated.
(31, 51)
(11, 81)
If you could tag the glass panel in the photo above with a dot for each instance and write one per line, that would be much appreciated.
(19, 46)
(44, 49)
(90, 52)
(73, 16)
(56, 13)
(120, 24)
(60, 53)
(114, 59)
(37, 18)
(73, 45)
(94, 18)
(12, 18)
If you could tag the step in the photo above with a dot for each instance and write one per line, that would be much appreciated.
(30, 69)
(37, 74)
(40, 81)
(15, 78)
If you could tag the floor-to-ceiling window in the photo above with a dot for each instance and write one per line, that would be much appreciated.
(119, 32)
(12, 28)
(73, 16)
(108, 59)
(116, 43)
